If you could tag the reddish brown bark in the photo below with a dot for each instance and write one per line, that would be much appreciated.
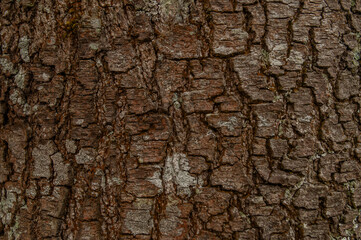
(180, 119)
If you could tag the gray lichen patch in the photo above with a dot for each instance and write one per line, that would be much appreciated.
(70, 146)
(176, 172)
(42, 162)
(45, 77)
(24, 48)
(16, 97)
(7, 203)
(62, 170)
(27, 109)
(85, 156)
(231, 124)
(7, 66)
(94, 46)
(20, 78)
(156, 180)
(96, 23)
(14, 232)
(356, 52)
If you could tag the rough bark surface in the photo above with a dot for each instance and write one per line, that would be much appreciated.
(180, 119)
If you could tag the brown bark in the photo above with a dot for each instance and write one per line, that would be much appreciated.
(180, 119)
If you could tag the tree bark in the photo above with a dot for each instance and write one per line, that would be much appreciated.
(180, 119)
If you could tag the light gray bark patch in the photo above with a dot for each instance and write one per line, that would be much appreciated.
(42, 162)
(85, 156)
(24, 48)
(176, 173)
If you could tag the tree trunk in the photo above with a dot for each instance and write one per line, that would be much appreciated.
(180, 119)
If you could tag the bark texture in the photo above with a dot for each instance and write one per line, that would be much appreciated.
(180, 119)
